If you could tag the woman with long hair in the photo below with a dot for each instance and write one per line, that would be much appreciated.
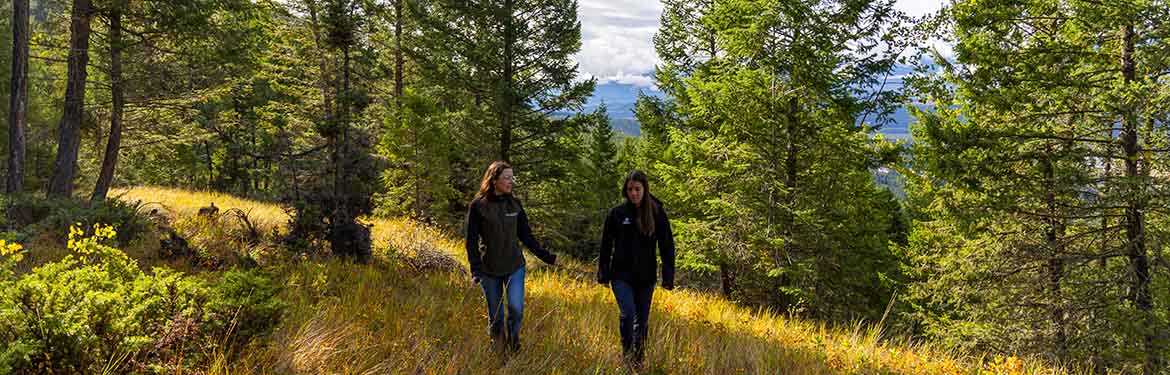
(496, 226)
(635, 233)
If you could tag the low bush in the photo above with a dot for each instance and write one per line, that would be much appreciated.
(96, 311)
(30, 216)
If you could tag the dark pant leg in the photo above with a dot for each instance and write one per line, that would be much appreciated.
(624, 294)
(642, 298)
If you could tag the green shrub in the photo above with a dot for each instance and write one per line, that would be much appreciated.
(96, 312)
(33, 216)
(243, 305)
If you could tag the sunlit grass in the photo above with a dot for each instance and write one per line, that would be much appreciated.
(180, 202)
(387, 318)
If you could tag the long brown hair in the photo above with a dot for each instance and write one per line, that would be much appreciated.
(487, 187)
(645, 211)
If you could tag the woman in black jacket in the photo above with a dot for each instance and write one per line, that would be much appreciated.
(496, 226)
(632, 233)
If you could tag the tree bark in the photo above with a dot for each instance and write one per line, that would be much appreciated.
(790, 174)
(69, 129)
(114, 143)
(506, 97)
(1135, 247)
(322, 63)
(18, 98)
(210, 166)
(399, 63)
(1053, 237)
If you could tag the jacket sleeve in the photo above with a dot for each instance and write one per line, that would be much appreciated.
(524, 232)
(606, 254)
(473, 223)
(666, 247)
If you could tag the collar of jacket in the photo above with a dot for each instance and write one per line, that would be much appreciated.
(497, 198)
(632, 206)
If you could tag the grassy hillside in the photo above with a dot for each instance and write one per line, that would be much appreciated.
(414, 310)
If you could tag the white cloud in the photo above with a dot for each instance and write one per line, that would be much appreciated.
(617, 37)
(640, 80)
(918, 8)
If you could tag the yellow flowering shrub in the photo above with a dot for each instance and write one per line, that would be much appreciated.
(10, 254)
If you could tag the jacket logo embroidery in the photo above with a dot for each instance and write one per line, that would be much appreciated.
(512, 214)
(626, 221)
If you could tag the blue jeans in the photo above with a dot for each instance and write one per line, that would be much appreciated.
(495, 291)
(634, 308)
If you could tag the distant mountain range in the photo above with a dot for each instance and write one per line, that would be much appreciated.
(619, 99)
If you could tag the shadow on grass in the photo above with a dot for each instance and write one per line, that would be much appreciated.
(379, 319)
(677, 344)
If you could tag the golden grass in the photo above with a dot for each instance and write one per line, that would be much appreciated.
(180, 202)
(385, 318)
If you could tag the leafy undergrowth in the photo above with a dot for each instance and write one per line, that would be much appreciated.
(414, 310)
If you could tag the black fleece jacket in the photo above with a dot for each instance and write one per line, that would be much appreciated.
(629, 255)
(501, 224)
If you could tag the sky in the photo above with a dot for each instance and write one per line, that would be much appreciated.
(617, 37)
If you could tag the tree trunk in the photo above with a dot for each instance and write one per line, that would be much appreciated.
(18, 99)
(507, 96)
(1053, 237)
(69, 130)
(727, 279)
(790, 174)
(113, 144)
(399, 63)
(210, 166)
(322, 63)
(1135, 247)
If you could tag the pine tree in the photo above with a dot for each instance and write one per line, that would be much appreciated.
(69, 130)
(513, 57)
(1035, 170)
(769, 151)
(602, 158)
(18, 99)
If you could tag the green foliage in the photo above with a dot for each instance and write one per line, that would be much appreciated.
(506, 70)
(1029, 177)
(763, 149)
(96, 312)
(29, 216)
(422, 144)
(243, 305)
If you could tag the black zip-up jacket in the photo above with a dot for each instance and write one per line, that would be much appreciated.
(501, 224)
(629, 255)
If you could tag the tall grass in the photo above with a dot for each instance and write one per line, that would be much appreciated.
(387, 317)
(180, 202)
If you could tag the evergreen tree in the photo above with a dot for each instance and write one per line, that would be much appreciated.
(1033, 174)
(513, 57)
(69, 130)
(602, 158)
(18, 99)
(769, 154)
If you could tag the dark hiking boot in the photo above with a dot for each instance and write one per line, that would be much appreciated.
(499, 342)
(513, 344)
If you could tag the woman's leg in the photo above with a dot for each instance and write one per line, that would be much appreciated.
(514, 286)
(624, 294)
(493, 290)
(642, 298)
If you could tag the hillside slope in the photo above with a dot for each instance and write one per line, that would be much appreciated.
(414, 310)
